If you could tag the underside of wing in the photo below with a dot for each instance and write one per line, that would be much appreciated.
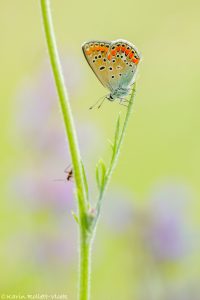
(123, 59)
(96, 55)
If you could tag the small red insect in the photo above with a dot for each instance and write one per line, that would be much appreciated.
(69, 174)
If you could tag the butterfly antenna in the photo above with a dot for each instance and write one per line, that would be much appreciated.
(91, 107)
(102, 102)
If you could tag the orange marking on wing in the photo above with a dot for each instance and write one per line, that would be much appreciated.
(88, 52)
(113, 52)
(127, 51)
(103, 49)
(135, 60)
(118, 48)
(123, 49)
(97, 48)
(131, 55)
(109, 56)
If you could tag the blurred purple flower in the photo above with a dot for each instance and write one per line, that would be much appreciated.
(39, 129)
(163, 226)
(52, 202)
(55, 248)
(118, 212)
(37, 193)
(38, 119)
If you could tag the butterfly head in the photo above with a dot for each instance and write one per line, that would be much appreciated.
(118, 93)
(110, 97)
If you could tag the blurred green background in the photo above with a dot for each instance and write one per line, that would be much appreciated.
(147, 244)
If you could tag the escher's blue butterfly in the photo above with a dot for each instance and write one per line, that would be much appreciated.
(115, 65)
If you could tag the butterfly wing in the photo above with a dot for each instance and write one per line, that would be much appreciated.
(96, 55)
(123, 61)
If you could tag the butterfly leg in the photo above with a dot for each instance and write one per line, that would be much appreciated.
(121, 102)
(125, 100)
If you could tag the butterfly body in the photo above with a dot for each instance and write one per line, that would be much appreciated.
(118, 93)
(115, 65)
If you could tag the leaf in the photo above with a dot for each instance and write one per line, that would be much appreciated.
(91, 215)
(85, 181)
(117, 133)
(97, 176)
(100, 173)
(111, 144)
(75, 217)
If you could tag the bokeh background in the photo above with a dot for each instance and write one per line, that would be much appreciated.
(148, 240)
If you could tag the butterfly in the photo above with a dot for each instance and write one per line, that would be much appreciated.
(115, 65)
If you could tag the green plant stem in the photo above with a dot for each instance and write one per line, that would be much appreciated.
(115, 156)
(85, 268)
(84, 253)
